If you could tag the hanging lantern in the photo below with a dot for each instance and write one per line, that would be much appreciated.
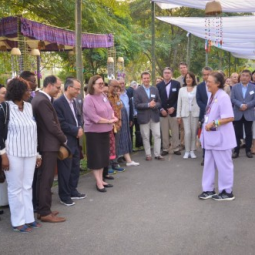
(35, 52)
(15, 52)
(41, 45)
(110, 60)
(213, 8)
(120, 59)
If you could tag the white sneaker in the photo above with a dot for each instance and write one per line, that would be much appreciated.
(186, 155)
(133, 163)
(192, 154)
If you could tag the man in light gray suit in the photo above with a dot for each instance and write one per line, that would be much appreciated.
(148, 103)
(243, 99)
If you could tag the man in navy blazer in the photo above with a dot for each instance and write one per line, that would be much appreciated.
(70, 122)
(243, 99)
(168, 92)
(202, 97)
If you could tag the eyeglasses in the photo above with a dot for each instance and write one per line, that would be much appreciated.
(77, 89)
(100, 83)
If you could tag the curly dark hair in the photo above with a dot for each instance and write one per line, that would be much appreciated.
(16, 89)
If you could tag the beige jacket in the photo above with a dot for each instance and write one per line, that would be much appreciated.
(183, 103)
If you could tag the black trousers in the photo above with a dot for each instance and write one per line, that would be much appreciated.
(68, 175)
(138, 136)
(35, 200)
(238, 125)
(45, 178)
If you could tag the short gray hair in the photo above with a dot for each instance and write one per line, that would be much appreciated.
(69, 82)
(133, 84)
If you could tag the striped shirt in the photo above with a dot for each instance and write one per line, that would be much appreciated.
(22, 132)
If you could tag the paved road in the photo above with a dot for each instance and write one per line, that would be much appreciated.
(152, 209)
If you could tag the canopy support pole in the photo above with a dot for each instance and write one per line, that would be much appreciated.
(206, 58)
(153, 42)
(78, 43)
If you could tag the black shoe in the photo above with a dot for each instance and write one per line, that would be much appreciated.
(101, 190)
(79, 196)
(224, 196)
(249, 154)
(109, 177)
(108, 185)
(159, 158)
(1, 211)
(202, 163)
(164, 153)
(67, 202)
(206, 195)
(177, 153)
(235, 155)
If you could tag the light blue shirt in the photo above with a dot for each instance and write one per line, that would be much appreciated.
(148, 91)
(244, 89)
(125, 100)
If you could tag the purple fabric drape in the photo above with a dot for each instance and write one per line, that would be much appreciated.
(38, 31)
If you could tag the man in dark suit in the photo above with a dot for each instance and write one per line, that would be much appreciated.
(70, 122)
(168, 92)
(147, 104)
(202, 97)
(243, 99)
(30, 77)
(50, 138)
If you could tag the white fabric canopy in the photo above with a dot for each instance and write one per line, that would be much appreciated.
(227, 5)
(238, 33)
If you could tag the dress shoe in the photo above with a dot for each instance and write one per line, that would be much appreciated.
(249, 154)
(53, 212)
(182, 147)
(109, 177)
(164, 153)
(148, 158)
(177, 153)
(108, 185)
(101, 190)
(52, 218)
(159, 158)
(235, 155)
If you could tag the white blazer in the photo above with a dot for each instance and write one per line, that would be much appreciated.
(183, 103)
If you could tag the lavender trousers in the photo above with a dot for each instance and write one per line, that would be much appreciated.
(221, 160)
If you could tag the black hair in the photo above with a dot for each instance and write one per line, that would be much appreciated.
(26, 74)
(51, 79)
(16, 88)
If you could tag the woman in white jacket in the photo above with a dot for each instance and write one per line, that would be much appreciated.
(188, 112)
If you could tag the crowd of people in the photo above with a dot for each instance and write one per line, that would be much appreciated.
(34, 124)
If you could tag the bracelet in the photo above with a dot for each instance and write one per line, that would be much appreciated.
(38, 156)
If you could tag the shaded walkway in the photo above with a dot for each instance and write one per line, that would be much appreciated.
(152, 209)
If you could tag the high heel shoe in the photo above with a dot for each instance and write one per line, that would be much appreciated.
(108, 185)
(101, 190)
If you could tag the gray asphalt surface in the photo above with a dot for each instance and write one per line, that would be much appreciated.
(152, 209)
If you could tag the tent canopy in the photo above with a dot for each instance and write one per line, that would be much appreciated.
(237, 34)
(52, 36)
(227, 5)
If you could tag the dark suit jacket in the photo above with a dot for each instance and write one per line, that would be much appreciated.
(50, 135)
(144, 112)
(202, 99)
(67, 121)
(130, 92)
(173, 96)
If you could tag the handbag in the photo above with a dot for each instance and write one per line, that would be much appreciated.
(6, 110)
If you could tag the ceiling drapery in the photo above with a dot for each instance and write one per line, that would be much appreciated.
(238, 33)
(227, 5)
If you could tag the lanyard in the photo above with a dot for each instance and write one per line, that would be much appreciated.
(209, 106)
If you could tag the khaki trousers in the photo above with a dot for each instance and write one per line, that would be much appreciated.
(190, 129)
(145, 132)
(170, 123)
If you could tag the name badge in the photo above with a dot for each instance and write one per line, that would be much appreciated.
(206, 119)
(174, 89)
(153, 96)
(251, 92)
(105, 99)
(119, 103)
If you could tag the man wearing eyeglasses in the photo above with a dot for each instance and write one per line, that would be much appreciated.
(70, 122)
(50, 138)
(30, 77)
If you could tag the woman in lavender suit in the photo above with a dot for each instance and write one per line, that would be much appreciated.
(218, 140)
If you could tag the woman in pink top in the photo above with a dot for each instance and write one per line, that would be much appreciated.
(98, 122)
